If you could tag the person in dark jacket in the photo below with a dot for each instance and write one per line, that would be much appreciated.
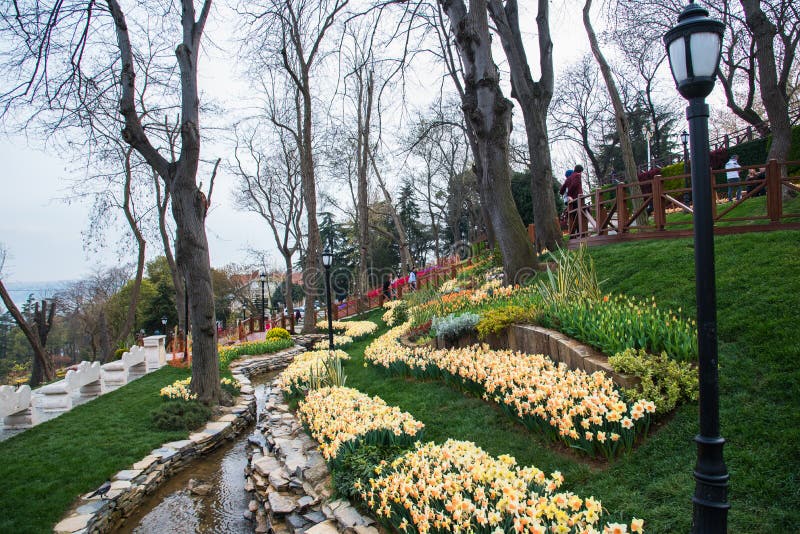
(573, 188)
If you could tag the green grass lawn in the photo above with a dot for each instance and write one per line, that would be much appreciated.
(44, 469)
(758, 288)
(752, 207)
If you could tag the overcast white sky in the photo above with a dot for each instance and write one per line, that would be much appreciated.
(43, 234)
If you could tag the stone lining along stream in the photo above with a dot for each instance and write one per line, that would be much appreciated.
(272, 479)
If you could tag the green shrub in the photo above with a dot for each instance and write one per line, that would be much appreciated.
(496, 320)
(119, 352)
(663, 380)
(354, 469)
(401, 313)
(453, 326)
(180, 415)
(278, 333)
(676, 169)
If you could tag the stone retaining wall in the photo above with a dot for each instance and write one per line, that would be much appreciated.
(128, 488)
(533, 339)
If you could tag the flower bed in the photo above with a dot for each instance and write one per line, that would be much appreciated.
(338, 341)
(582, 410)
(396, 312)
(457, 487)
(342, 418)
(614, 324)
(294, 380)
(352, 329)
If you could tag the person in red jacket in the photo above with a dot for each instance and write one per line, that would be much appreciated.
(572, 186)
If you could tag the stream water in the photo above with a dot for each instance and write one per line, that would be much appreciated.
(174, 509)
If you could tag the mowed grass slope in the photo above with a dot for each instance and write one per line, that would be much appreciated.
(758, 288)
(44, 469)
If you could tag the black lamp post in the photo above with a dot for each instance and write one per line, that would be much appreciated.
(164, 324)
(687, 197)
(327, 261)
(263, 313)
(693, 46)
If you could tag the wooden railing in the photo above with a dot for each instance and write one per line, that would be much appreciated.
(608, 214)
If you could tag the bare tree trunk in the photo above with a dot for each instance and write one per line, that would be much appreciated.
(39, 352)
(312, 271)
(489, 115)
(774, 99)
(177, 278)
(406, 261)
(44, 322)
(534, 99)
(623, 127)
(127, 207)
(189, 204)
(287, 293)
(105, 338)
(363, 154)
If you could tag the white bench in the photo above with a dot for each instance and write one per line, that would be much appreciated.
(57, 397)
(131, 366)
(15, 406)
(156, 352)
(88, 378)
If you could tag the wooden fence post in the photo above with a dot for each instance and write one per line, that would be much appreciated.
(599, 213)
(659, 216)
(773, 185)
(622, 210)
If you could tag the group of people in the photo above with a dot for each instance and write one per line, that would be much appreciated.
(733, 169)
(391, 283)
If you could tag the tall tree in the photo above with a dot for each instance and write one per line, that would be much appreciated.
(489, 115)
(774, 85)
(294, 31)
(270, 186)
(580, 114)
(534, 100)
(623, 126)
(82, 49)
(36, 335)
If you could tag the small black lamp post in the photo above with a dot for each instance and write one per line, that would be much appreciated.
(164, 328)
(687, 197)
(693, 46)
(263, 278)
(327, 261)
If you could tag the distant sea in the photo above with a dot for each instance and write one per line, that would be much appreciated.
(20, 291)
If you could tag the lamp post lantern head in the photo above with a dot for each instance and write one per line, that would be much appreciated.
(164, 320)
(693, 47)
(327, 258)
(263, 277)
(685, 137)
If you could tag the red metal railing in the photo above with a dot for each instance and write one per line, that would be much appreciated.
(434, 274)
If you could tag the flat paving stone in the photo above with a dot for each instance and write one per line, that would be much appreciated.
(73, 524)
(128, 474)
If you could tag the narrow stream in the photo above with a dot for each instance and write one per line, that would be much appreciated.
(174, 508)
